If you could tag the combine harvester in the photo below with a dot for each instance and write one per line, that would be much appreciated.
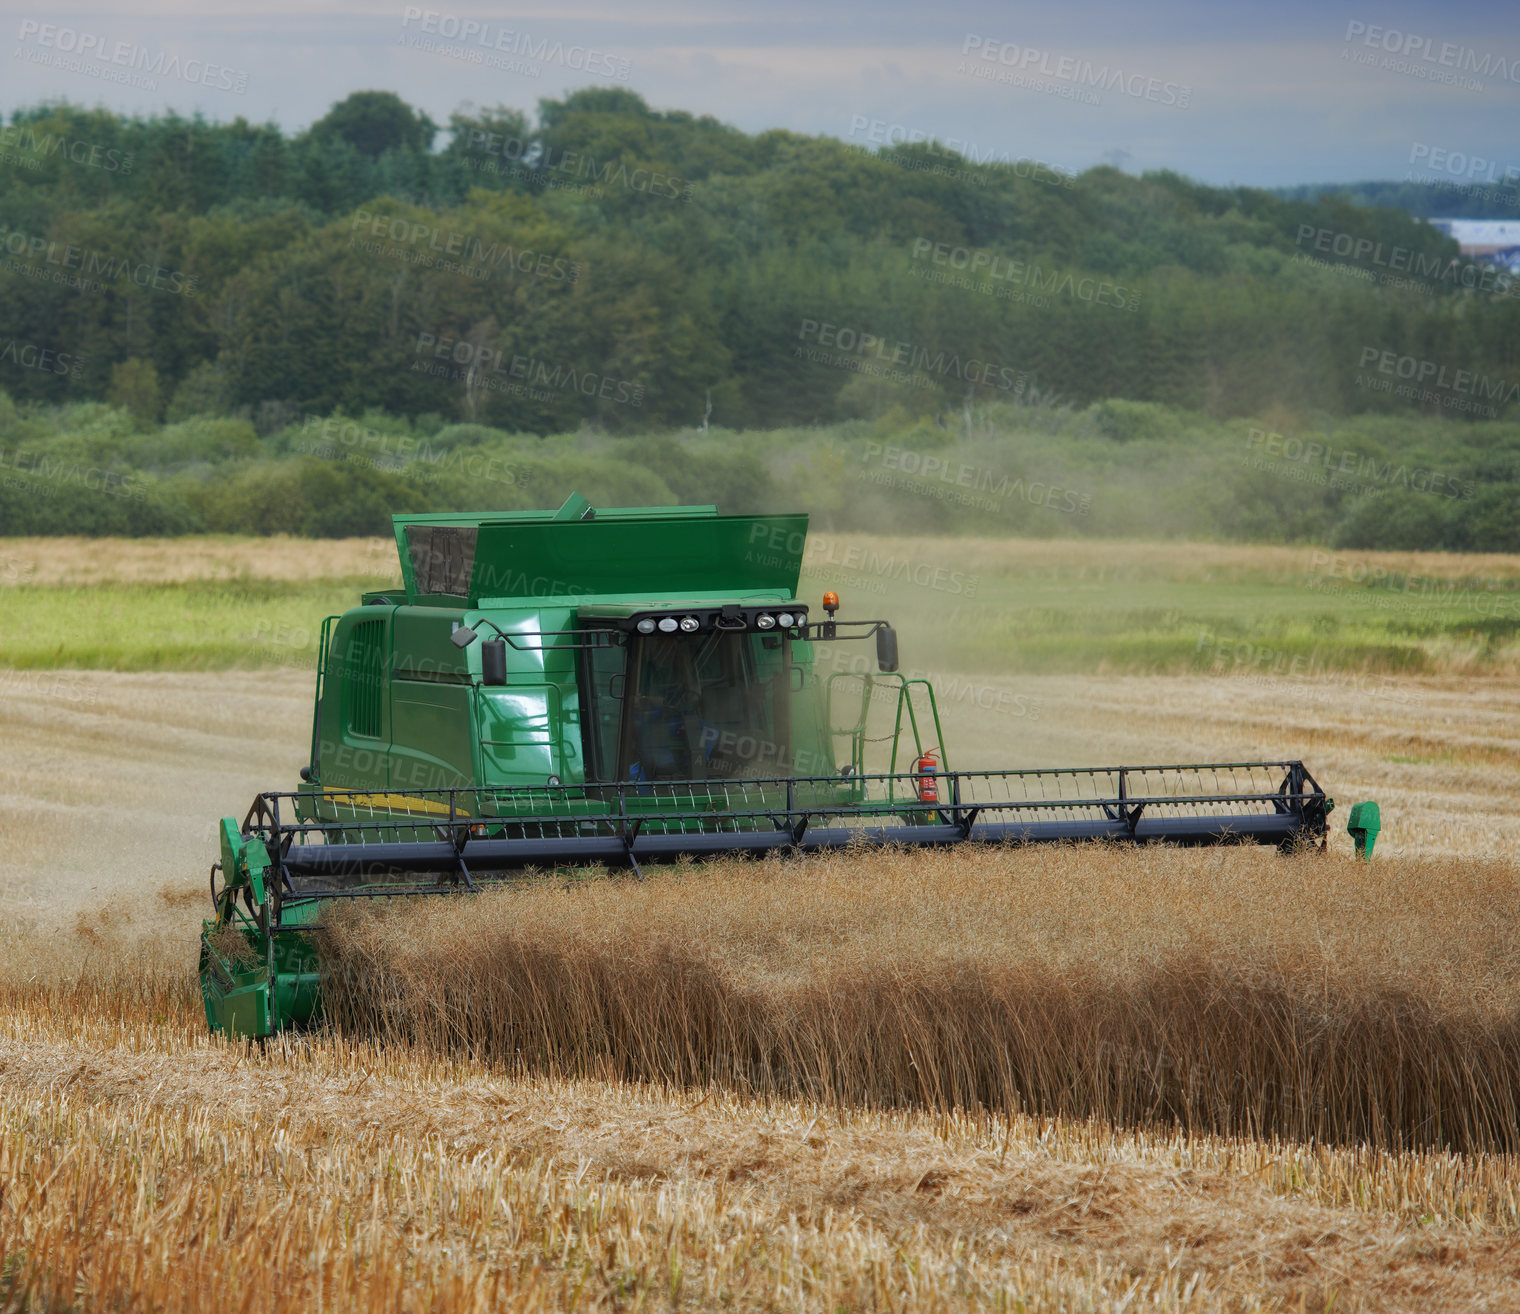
(629, 686)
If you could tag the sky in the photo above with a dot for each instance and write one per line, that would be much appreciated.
(1265, 94)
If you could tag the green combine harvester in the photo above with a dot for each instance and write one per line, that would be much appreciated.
(627, 686)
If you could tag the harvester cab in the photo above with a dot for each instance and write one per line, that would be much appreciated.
(585, 650)
(634, 685)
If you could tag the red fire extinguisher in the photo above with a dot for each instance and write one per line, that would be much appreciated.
(924, 778)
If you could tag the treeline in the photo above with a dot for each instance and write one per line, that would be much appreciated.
(1471, 188)
(1109, 469)
(636, 270)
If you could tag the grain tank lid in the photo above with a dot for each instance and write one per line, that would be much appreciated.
(578, 550)
(574, 507)
(438, 550)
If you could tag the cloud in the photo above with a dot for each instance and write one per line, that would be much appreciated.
(1276, 92)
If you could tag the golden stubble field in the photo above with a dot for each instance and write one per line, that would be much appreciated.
(112, 783)
(143, 1164)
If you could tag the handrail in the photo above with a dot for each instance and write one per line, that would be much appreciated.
(316, 708)
(1117, 792)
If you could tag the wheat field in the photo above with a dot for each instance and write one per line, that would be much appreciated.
(1239, 993)
(1031, 1079)
(144, 1164)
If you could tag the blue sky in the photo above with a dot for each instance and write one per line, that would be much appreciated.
(1258, 93)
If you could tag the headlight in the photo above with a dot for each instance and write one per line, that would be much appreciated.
(667, 624)
(784, 620)
(553, 780)
(765, 621)
(646, 626)
(689, 624)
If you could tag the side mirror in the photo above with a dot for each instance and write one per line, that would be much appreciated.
(886, 649)
(463, 637)
(493, 661)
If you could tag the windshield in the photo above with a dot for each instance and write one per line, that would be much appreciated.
(712, 706)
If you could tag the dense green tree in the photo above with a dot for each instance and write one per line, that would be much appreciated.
(373, 122)
(134, 387)
(710, 273)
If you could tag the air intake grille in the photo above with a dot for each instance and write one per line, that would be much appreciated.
(364, 677)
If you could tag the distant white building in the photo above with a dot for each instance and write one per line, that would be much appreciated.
(1481, 237)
